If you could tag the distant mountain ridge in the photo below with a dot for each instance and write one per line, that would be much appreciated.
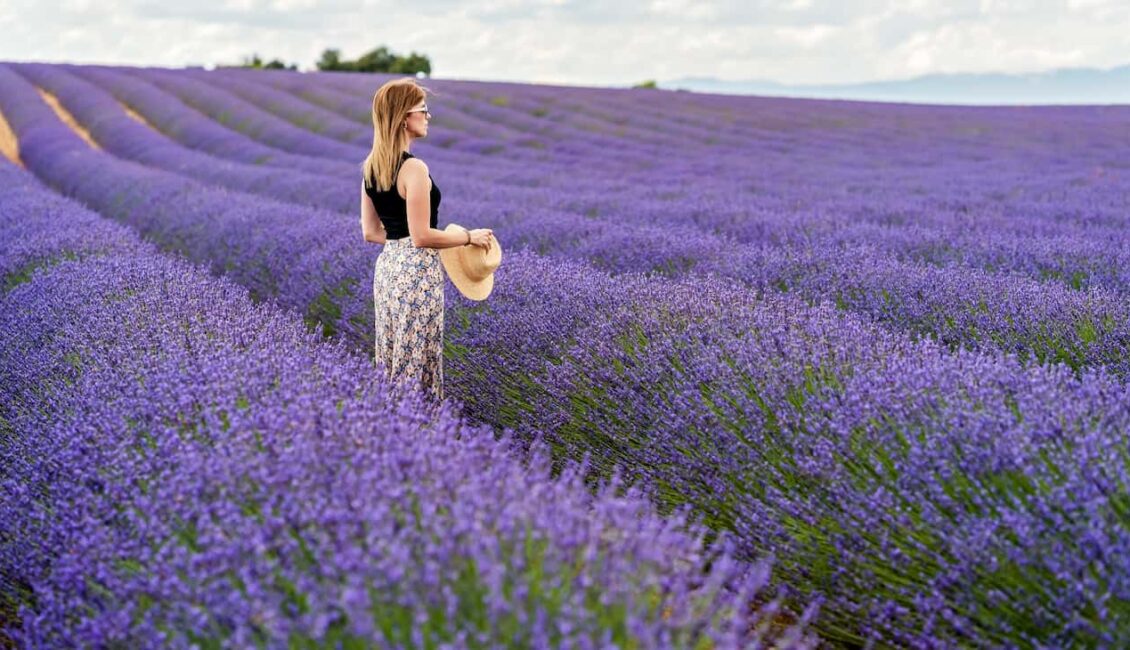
(1063, 86)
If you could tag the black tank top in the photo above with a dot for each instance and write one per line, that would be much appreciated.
(393, 210)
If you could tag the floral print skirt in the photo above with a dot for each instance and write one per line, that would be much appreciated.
(408, 297)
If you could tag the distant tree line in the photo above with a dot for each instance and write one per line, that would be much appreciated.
(274, 64)
(378, 60)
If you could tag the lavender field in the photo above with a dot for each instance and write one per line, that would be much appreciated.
(755, 372)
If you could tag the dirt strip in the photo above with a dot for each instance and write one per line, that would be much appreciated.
(9, 145)
(134, 114)
(67, 118)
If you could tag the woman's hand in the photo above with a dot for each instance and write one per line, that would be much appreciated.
(481, 237)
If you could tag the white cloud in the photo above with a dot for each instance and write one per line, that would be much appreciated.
(797, 5)
(590, 42)
(685, 9)
(1078, 5)
(806, 37)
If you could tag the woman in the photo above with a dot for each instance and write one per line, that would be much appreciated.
(399, 208)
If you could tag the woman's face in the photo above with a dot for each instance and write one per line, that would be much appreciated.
(416, 123)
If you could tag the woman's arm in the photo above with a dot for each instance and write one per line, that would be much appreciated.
(371, 227)
(417, 190)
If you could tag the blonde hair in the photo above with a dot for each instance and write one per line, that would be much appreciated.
(391, 104)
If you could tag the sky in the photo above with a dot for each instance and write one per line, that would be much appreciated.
(596, 43)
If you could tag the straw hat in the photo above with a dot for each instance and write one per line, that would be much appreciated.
(471, 268)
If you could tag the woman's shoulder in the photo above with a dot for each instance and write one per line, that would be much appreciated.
(409, 162)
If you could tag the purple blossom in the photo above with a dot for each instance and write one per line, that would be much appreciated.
(885, 343)
(182, 466)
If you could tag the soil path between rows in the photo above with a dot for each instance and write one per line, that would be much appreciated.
(9, 145)
(67, 118)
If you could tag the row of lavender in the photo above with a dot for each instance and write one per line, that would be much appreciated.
(822, 186)
(594, 178)
(180, 467)
(865, 267)
(582, 414)
(935, 498)
(908, 207)
(868, 209)
(888, 283)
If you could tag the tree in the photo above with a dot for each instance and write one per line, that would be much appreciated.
(412, 64)
(331, 60)
(276, 64)
(377, 60)
(256, 63)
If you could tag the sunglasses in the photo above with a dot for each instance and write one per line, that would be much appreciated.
(422, 110)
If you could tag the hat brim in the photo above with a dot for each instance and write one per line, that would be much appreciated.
(472, 289)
